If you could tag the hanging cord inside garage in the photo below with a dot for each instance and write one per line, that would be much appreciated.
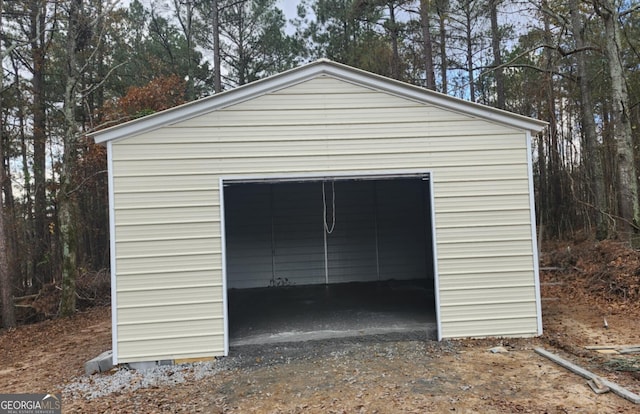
(333, 207)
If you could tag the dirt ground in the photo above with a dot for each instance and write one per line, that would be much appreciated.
(581, 287)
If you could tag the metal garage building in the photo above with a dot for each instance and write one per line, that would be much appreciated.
(323, 174)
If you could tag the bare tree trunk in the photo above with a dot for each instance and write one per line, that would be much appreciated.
(542, 207)
(592, 155)
(498, 73)
(66, 198)
(393, 33)
(609, 165)
(469, 50)
(186, 23)
(215, 23)
(242, 59)
(554, 164)
(627, 177)
(425, 9)
(442, 6)
(42, 269)
(6, 281)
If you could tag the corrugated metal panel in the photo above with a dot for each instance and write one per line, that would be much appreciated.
(164, 215)
(306, 148)
(485, 264)
(485, 232)
(171, 246)
(406, 158)
(483, 172)
(501, 318)
(274, 235)
(297, 226)
(494, 217)
(177, 328)
(438, 130)
(404, 230)
(381, 114)
(165, 199)
(460, 204)
(379, 233)
(351, 246)
(172, 230)
(165, 189)
(517, 326)
(490, 295)
(171, 295)
(355, 152)
(294, 116)
(168, 181)
(472, 248)
(496, 277)
(338, 142)
(478, 310)
(173, 262)
(474, 188)
(129, 314)
(248, 236)
(159, 348)
(169, 279)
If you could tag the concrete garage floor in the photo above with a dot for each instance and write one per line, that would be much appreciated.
(302, 313)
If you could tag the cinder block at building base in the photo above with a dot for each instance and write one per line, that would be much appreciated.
(101, 363)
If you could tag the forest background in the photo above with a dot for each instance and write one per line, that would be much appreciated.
(70, 67)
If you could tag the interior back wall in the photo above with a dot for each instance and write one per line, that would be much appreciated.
(275, 232)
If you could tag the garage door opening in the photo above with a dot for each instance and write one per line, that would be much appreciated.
(328, 257)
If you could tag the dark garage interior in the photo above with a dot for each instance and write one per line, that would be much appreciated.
(331, 257)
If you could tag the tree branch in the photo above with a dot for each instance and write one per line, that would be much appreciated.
(68, 193)
(558, 48)
(632, 9)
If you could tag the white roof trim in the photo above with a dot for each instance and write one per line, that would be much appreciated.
(294, 76)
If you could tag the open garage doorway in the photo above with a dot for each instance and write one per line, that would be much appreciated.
(327, 257)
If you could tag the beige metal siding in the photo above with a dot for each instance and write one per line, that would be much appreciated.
(167, 214)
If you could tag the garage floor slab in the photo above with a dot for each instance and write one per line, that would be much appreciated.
(301, 313)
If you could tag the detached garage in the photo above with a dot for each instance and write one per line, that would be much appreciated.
(324, 176)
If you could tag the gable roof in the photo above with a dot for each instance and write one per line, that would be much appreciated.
(322, 67)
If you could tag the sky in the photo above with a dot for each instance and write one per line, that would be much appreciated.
(289, 7)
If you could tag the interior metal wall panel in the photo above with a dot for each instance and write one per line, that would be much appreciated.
(276, 232)
(248, 235)
(297, 230)
(404, 229)
(351, 247)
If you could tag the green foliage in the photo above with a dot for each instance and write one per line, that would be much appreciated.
(254, 42)
(152, 45)
(345, 31)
